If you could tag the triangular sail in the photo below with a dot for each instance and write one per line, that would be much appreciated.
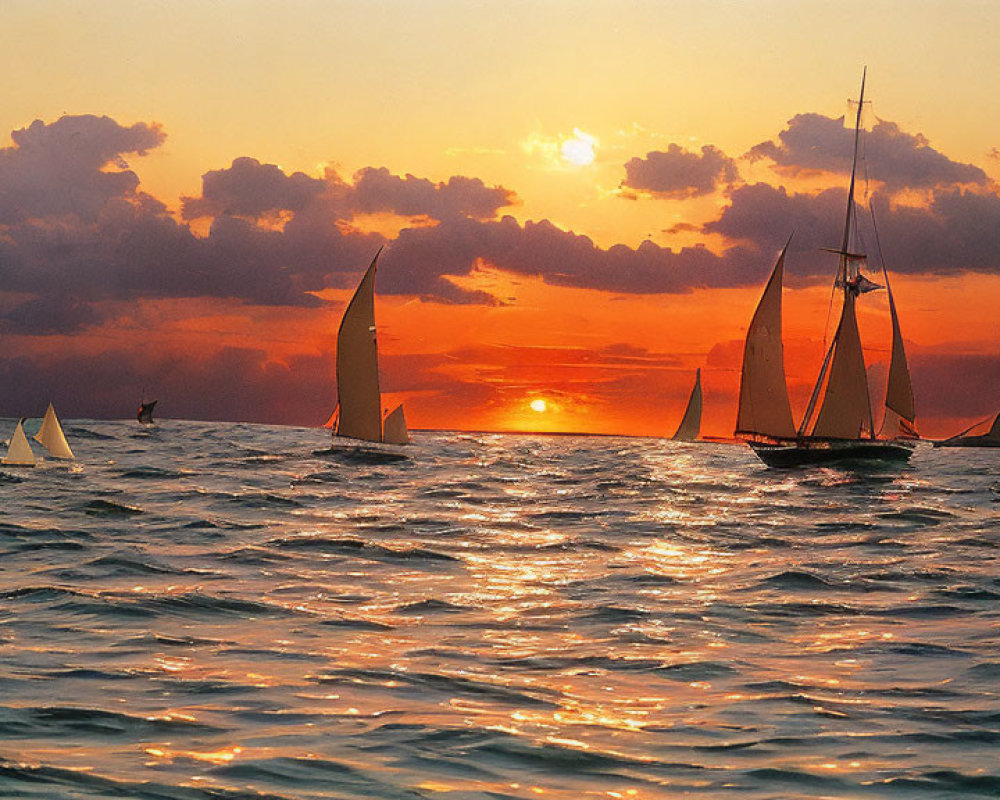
(764, 409)
(51, 436)
(845, 409)
(394, 428)
(358, 395)
(994, 431)
(899, 405)
(19, 452)
(690, 425)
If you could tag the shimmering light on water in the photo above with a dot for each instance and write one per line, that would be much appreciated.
(235, 611)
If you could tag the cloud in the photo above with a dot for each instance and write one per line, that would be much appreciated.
(377, 190)
(813, 142)
(562, 258)
(680, 174)
(251, 189)
(959, 229)
(61, 169)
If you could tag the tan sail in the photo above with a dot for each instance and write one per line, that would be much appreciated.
(845, 409)
(19, 452)
(394, 428)
(690, 425)
(764, 409)
(51, 436)
(358, 395)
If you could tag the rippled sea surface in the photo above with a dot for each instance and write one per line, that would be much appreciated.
(237, 611)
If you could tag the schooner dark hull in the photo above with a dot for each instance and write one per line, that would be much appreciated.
(806, 453)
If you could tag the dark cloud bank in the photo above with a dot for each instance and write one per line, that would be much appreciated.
(76, 229)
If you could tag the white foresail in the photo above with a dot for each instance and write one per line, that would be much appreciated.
(845, 409)
(394, 427)
(51, 436)
(358, 396)
(690, 425)
(19, 452)
(764, 409)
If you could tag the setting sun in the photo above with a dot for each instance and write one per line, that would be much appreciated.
(539, 406)
(580, 149)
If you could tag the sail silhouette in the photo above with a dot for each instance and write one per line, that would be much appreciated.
(358, 414)
(145, 412)
(690, 426)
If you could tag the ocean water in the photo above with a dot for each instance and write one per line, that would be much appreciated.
(222, 611)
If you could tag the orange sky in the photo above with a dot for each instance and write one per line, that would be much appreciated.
(204, 188)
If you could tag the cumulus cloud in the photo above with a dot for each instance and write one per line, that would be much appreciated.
(813, 142)
(378, 189)
(62, 168)
(249, 188)
(679, 174)
(958, 230)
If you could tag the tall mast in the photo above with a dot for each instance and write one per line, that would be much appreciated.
(843, 268)
(844, 252)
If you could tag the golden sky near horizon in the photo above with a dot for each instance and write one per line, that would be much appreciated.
(548, 99)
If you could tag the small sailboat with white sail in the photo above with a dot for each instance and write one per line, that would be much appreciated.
(843, 428)
(52, 438)
(358, 414)
(19, 453)
(690, 427)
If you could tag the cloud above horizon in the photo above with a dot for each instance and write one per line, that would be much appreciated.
(680, 174)
(76, 229)
(816, 143)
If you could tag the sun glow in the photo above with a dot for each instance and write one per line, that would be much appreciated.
(539, 406)
(580, 149)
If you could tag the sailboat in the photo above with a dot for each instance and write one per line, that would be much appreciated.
(690, 425)
(989, 439)
(145, 412)
(19, 451)
(843, 429)
(51, 436)
(358, 414)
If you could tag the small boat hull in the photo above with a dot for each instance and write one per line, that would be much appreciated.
(802, 454)
(969, 441)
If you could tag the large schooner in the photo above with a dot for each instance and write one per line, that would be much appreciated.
(358, 414)
(843, 429)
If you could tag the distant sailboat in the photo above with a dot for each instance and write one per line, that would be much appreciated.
(358, 414)
(843, 428)
(989, 439)
(145, 412)
(51, 436)
(690, 426)
(19, 451)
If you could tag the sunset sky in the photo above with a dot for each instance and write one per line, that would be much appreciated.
(580, 201)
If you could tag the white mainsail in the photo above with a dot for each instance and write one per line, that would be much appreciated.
(19, 452)
(358, 414)
(358, 396)
(51, 436)
(690, 425)
(394, 427)
(764, 409)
